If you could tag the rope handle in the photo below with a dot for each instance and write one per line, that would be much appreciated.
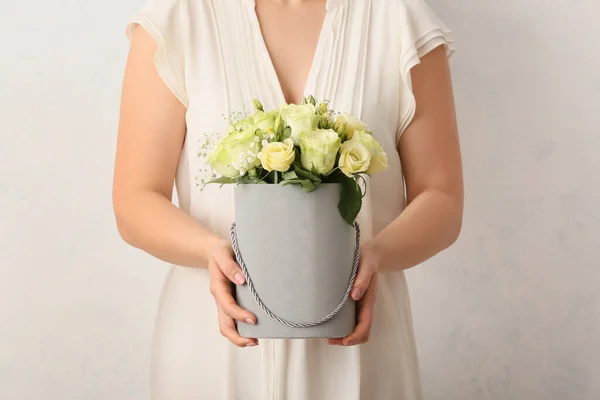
(295, 324)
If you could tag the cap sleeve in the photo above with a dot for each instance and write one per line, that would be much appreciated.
(162, 19)
(421, 31)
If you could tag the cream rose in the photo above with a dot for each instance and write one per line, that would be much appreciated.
(300, 118)
(277, 156)
(354, 158)
(352, 124)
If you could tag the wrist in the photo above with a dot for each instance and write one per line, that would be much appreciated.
(211, 242)
(374, 249)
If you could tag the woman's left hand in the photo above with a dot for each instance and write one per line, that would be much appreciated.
(364, 292)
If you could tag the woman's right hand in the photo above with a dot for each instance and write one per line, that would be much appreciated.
(224, 271)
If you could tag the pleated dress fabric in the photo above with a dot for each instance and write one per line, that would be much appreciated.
(212, 56)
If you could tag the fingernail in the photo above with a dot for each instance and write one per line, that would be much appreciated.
(239, 278)
(249, 321)
(356, 294)
(251, 344)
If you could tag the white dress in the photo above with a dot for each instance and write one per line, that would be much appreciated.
(212, 56)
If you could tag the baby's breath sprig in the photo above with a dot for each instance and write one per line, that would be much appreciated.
(236, 117)
(205, 172)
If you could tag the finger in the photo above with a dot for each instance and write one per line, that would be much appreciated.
(335, 341)
(231, 269)
(361, 331)
(363, 279)
(221, 291)
(364, 318)
(228, 329)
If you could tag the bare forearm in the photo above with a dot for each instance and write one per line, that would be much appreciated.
(150, 222)
(428, 225)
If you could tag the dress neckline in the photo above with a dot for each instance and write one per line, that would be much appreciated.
(267, 60)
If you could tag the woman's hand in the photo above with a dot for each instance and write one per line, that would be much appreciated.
(364, 292)
(224, 271)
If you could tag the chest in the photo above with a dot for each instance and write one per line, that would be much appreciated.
(239, 50)
(291, 36)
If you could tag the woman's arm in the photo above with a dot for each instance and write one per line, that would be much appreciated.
(432, 220)
(431, 160)
(151, 134)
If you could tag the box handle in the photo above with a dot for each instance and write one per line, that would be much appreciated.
(295, 324)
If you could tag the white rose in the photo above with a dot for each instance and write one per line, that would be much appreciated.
(318, 150)
(278, 156)
(300, 118)
(352, 124)
(354, 158)
(378, 164)
(378, 157)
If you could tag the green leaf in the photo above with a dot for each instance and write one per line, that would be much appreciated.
(297, 159)
(332, 176)
(286, 133)
(302, 173)
(307, 184)
(350, 199)
(247, 179)
(289, 175)
(270, 177)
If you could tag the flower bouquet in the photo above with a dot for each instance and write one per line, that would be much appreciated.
(298, 171)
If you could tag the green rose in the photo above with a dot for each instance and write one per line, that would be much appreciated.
(236, 153)
(319, 149)
(300, 118)
(265, 121)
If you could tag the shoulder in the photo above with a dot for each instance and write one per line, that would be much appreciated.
(399, 5)
(402, 10)
(167, 23)
(412, 25)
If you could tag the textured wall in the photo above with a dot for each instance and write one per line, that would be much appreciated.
(76, 305)
(512, 312)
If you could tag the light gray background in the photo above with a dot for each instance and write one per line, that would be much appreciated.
(511, 312)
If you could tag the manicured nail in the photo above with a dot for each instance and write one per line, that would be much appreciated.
(356, 294)
(249, 321)
(239, 278)
(251, 344)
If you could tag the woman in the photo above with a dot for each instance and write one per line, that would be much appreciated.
(191, 63)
